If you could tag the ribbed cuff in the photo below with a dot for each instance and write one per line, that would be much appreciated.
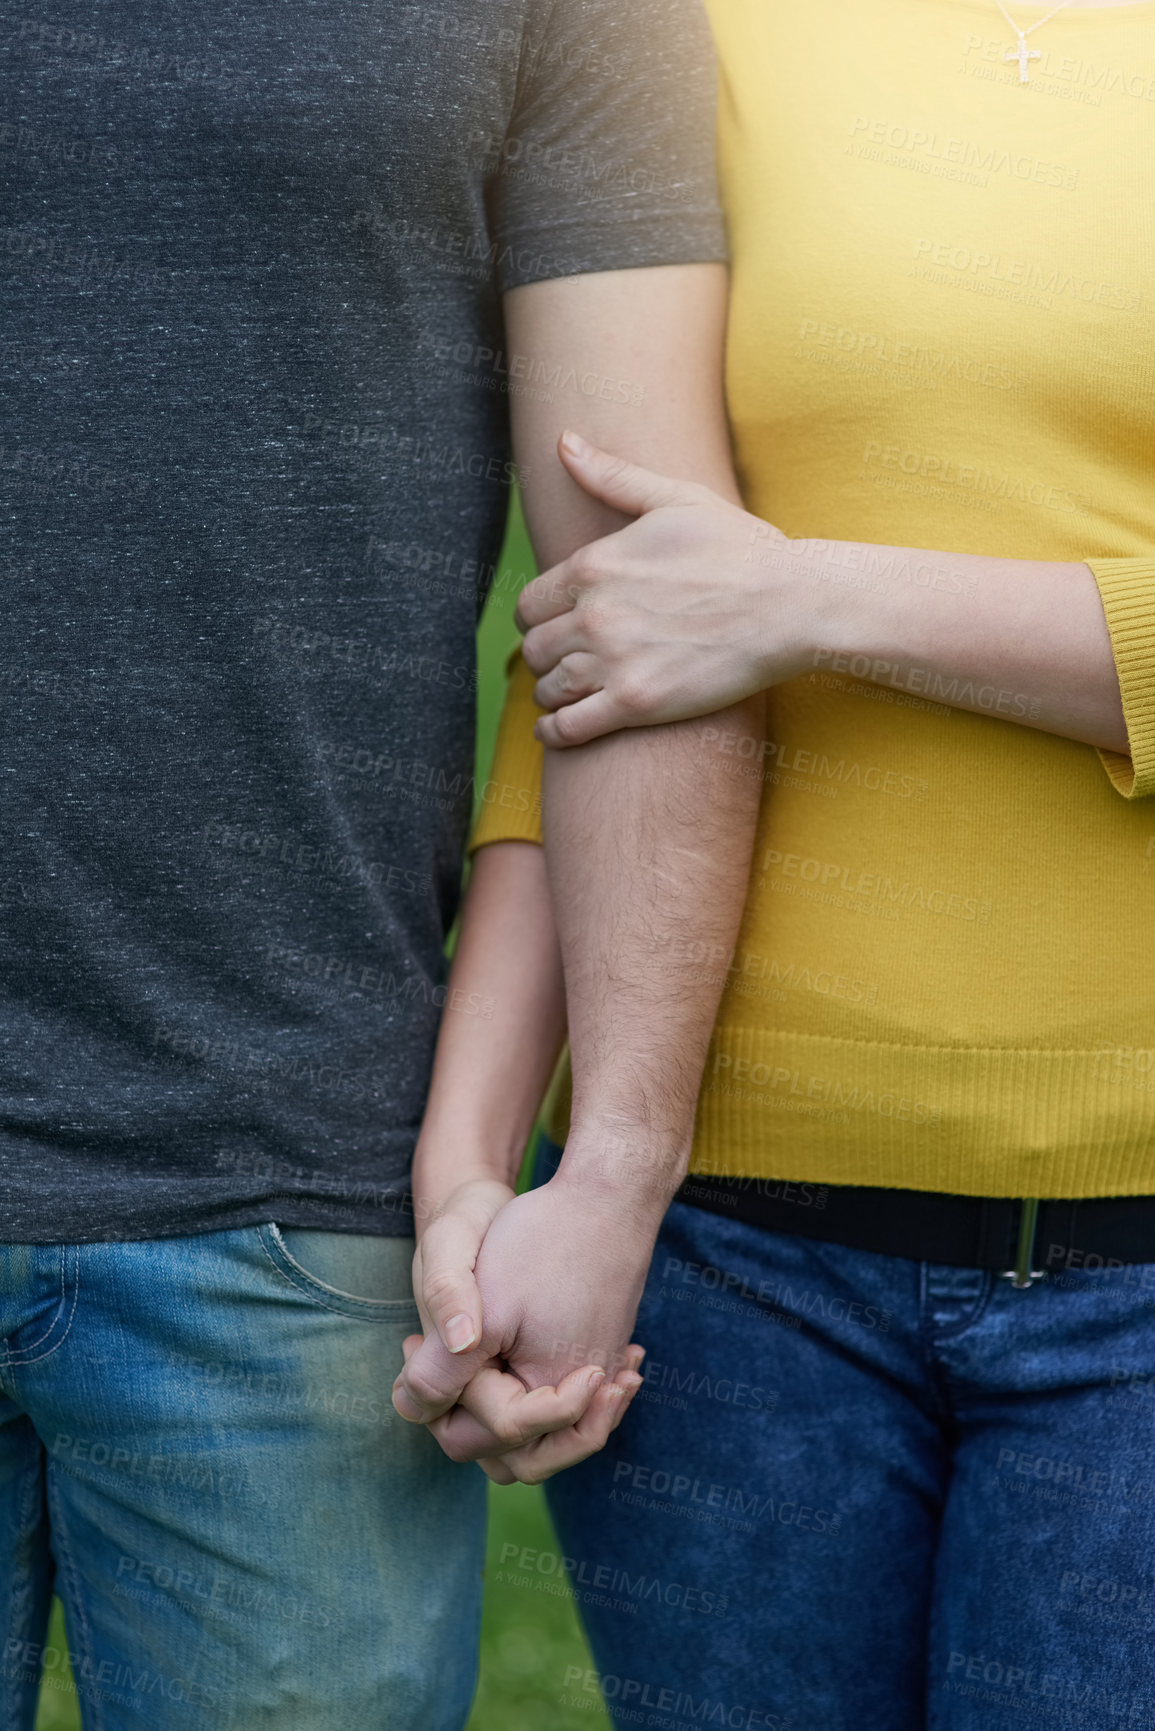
(1127, 590)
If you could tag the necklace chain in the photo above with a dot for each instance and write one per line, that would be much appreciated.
(1039, 22)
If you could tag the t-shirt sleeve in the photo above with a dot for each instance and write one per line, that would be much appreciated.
(511, 798)
(1127, 590)
(608, 162)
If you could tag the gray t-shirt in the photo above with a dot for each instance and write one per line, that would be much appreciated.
(254, 470)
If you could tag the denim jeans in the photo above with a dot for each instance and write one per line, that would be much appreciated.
(860, 1493)
(197, 1448)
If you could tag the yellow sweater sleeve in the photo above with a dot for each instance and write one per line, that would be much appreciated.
(510, 805)
(1127, 589)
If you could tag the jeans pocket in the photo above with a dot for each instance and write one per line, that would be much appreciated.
(325, 1266)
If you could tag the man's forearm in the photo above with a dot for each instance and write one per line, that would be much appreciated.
(648, 843)
(648, 840)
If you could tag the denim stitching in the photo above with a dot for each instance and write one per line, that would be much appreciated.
(69, 1571)
(935, 1372)
(56, 1318)
(379, 1304)
(372, 1314)
(41, 1356)
(981, 1306)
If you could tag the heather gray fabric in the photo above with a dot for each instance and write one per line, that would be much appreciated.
(255, 465)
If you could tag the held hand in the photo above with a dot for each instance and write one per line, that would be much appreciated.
(574, 1419)
(599, 1403)
(560, 1273)
(680, 614)
(443, 1279)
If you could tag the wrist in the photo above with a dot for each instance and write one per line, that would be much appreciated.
(442, 1169)
(476, 1197)
(826, 595)
(637, 1172)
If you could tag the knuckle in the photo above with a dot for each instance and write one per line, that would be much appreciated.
(533, 652)
(588, 563)
(567, 726)
(632, 695)
(508, 1432)
(598, 625)
(422, 1387)
(568, 678)
(441, 1289)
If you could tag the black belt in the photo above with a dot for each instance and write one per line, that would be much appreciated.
(1023, 1238)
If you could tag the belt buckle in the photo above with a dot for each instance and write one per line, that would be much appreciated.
(1022, 1274)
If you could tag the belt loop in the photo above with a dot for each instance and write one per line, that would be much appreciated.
(1023, 1274)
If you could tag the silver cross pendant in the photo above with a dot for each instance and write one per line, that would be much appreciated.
(1022, 54)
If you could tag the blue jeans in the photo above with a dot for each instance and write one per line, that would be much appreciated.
(860, 1493)
(197, 1448)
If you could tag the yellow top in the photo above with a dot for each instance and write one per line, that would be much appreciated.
(941, 336)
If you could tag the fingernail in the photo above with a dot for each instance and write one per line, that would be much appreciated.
(596, 1380)
(631, 1384)
(574, 444)
(459, 1333)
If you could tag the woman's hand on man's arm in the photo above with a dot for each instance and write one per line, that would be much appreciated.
(697, 604)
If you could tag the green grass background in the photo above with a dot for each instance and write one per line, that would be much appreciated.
(529, 1635)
